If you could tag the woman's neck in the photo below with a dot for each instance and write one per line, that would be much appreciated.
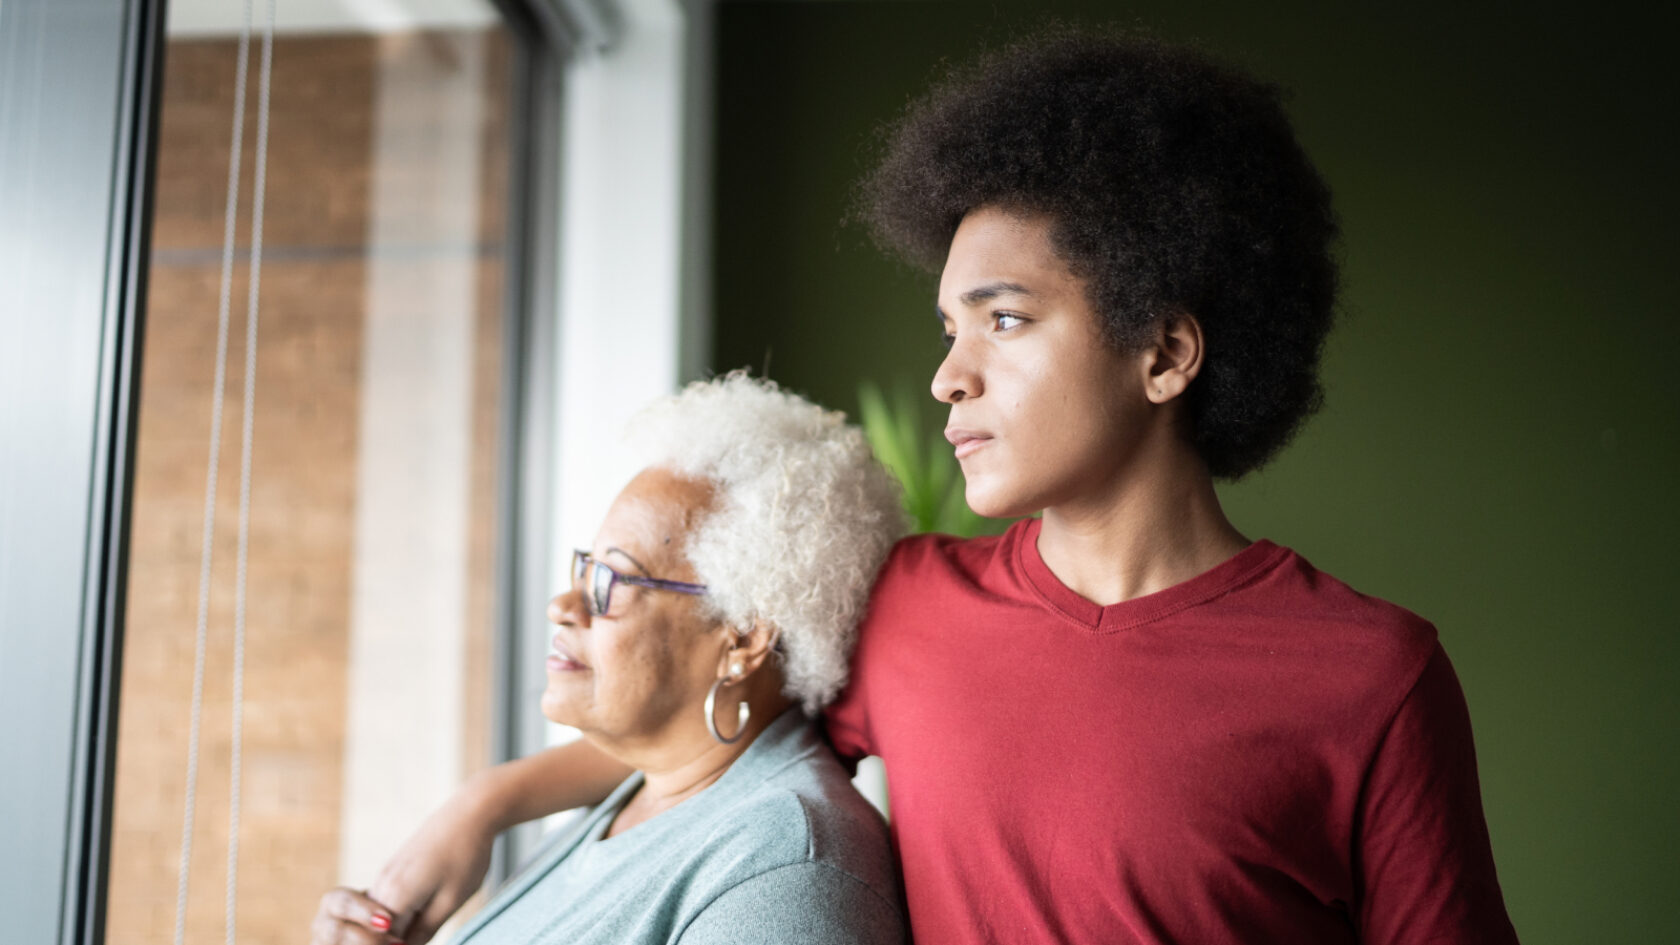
(688, 762)
(663, 790)
(1156, 525)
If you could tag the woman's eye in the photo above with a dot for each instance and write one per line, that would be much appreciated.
(947, 339)
(1005, 321)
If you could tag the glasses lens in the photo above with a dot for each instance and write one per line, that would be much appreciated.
(594, 579)
(601, 593)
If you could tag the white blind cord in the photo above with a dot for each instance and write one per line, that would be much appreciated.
(207, 545)
(260, 172)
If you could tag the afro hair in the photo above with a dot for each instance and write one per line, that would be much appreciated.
(1174, 185)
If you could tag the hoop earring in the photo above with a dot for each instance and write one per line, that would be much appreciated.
(743, 712)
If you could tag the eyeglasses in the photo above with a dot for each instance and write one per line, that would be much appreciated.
(598, 579)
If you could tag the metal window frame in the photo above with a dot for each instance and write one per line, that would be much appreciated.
(78, 94)
(545, 40)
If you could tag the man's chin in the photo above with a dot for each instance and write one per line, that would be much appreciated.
(989, 501)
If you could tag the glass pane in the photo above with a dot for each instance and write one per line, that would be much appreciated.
(374, 470)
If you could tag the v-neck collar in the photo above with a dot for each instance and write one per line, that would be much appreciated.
(1234, 571)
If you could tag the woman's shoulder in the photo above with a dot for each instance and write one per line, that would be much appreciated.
(796, 862)
(783, 826)
(803, 808)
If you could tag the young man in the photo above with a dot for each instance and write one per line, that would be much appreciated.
(1122, 721)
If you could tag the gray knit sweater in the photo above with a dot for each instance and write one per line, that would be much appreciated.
(779, 849)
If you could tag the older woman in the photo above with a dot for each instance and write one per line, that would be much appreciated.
(702, 630)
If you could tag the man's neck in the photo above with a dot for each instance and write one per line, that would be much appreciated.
(1152, 528)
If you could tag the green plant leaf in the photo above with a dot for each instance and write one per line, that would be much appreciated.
(924, 465)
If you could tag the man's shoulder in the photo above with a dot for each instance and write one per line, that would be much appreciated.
(1295, 601)
(1323, 594)
(932, 555)
(935, 549)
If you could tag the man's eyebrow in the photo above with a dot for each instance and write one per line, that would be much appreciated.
(992, 290)
(985, 293)
(620, 551)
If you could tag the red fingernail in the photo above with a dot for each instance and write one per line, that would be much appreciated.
(382, 923)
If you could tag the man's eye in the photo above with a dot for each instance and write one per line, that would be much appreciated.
(1005, 321)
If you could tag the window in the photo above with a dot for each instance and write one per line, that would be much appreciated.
(378, 461)
(406, 452)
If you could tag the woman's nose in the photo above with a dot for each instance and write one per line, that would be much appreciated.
(568, 609)
(956, 378)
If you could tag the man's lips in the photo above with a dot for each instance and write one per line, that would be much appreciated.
(966, 441)
(561, 660)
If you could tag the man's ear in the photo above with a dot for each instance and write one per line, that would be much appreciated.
(751, 647)
(1173, 358)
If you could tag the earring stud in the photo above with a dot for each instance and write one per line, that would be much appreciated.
(735, 668)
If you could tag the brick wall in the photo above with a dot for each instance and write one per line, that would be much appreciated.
(314, 302)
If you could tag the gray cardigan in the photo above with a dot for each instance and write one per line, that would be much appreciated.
(778, 849)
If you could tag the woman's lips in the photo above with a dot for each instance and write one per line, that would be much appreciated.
(560, 660)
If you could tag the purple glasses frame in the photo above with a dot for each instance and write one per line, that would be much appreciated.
(601, 577)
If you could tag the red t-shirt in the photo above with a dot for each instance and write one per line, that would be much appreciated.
(1258, 755)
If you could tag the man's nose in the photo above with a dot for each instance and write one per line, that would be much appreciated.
(956, 378)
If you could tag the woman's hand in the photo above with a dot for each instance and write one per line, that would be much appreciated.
(444, 862)
(350, 917)
(437, 869)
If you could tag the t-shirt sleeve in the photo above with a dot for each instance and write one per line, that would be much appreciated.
(806, 902)
(1425, 869)
(845, 725)
(846, 719)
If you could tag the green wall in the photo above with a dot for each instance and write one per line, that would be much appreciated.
(1503, 397)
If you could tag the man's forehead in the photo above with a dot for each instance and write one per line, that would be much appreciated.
(1026, 278)
(995, 290)
(995, 252)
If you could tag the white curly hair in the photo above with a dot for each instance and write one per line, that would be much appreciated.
(804, 517)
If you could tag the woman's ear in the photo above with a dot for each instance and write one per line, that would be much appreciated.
(1174, 358)
(749, 650)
